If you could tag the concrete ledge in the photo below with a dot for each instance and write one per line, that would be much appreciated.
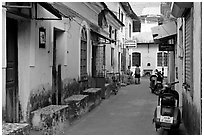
(94, 97)
(78, 106)
(15, 129)
(50, 119)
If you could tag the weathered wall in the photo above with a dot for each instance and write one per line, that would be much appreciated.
(192, 106)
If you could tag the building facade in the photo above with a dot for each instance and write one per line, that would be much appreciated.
(146, 53)
(49, 48)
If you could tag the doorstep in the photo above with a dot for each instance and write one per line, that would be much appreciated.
(94, 97)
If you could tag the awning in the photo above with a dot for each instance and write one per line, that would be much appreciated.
(102, 36)
(58, 9)
(179, 8)
(163, 31)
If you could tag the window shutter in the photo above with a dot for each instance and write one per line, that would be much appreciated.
(188, 52)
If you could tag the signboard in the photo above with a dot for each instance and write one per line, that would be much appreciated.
(166, 47)
(131, 43)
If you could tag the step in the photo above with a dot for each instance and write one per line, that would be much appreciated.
(50, 119)
(15, 129)
(94, 95)
(78, 105)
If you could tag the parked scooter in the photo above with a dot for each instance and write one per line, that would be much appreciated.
(167, 114)
(156, 83)
(153, 80)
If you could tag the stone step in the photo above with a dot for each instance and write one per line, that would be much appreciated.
(94, 95)
(50, 119)
(15, 129)
(78, 106)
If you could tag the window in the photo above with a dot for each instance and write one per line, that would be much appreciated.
(136, 59)
(119, 13)
(83, 65)
(148, 64)
(162, 58)
(112, 56)
(110, 31)
(115, 36)
(130, 30)
(159, 59)
(121, 21)
(165, 59)
(121, 17)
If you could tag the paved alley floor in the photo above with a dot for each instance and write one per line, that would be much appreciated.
(130, 112)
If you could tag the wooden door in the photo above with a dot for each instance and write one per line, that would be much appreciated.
(11, 71)
(54, 71)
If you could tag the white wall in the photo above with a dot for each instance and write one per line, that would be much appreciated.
(147, 56)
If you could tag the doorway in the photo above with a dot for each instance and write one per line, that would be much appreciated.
(56, 68)
(11, 70)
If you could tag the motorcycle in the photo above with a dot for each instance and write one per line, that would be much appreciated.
(167, 115)
(156, 83)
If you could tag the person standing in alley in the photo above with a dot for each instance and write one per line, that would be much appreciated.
(137, 75)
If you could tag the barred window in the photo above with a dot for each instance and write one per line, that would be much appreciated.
(162, 58)
(83, 64)
(165, 59)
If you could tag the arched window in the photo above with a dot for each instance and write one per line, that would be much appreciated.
(136, 59)
(83, 65)
(148, 64)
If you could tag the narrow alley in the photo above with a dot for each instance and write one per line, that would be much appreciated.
(130, 112)
(63, 63)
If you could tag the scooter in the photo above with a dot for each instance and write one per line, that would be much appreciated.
(158, 87)
(156, 84)
(167, 115)
(153, 79)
